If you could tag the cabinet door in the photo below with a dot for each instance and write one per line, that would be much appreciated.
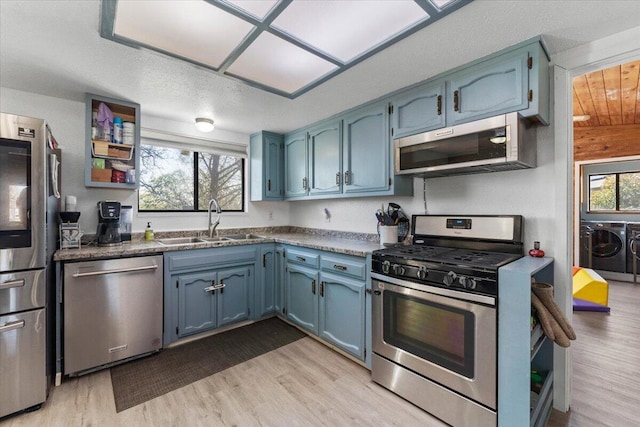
(367, 150)
(279, 299)
(196, 304)
(233, 296)
(342, 313)
(266, 160)
(302, 297)
(325, 159)
(498, 86)
(265, 295)
(419, 110)
(295, 165)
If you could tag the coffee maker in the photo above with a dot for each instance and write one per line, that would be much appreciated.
(108, 233)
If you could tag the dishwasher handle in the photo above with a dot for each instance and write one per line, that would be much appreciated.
(115, 270)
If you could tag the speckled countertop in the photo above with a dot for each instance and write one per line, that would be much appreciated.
(357, 244)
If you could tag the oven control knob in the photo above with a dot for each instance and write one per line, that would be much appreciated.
(449, 278)
(471, 283)
(398, 269)
(421, 273)
(385, 267)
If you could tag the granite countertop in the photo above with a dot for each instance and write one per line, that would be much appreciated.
(340, 242)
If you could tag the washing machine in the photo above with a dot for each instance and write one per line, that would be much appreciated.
(608, 245)
(633, 246)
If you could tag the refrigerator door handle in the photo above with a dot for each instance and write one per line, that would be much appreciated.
(10, 326)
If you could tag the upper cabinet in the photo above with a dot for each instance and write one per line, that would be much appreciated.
(267, 165)
(112, 143)
(419, 109)
(325, 158)
(513, 80)
(296, 183)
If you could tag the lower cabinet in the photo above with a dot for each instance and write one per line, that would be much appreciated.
(325, 295)
(207, 288)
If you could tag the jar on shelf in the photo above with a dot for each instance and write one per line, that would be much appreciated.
(117, 130)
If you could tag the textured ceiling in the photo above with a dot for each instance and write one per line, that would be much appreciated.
(54, 48)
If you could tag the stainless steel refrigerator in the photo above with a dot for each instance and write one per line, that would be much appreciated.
(29, 203)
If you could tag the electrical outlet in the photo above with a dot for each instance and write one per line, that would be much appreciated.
(270, 215)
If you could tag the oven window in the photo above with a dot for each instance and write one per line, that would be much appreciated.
(15, 197)
(438, 333)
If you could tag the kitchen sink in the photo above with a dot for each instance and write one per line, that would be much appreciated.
(243, 237)
(189, 240)
(213, 239)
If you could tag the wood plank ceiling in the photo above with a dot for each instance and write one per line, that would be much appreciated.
(610, 97)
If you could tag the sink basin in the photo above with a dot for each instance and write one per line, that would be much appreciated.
(179, 240)
(213, 239)
(243, 237)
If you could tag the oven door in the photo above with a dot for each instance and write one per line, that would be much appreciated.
(444, 336)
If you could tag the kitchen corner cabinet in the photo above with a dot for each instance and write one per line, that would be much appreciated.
(521, 350)
(419, 109)
(103, 157)
(207, 288)
(266, 159)
(326, 296)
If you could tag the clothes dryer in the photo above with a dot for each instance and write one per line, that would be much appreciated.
(633, 246)
(608, 245)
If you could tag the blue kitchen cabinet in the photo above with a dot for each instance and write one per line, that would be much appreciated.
(342, 313)
(368, 155)
(325, 158)
(265, 289)
(296, 183)
(517, 80)
(280, 290)
(302, 297)
(419, 109)
(208, 288)
(266, 159)
(212, 299)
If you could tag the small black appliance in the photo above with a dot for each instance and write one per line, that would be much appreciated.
(108, 233)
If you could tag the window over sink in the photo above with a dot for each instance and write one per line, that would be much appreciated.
(178, 177)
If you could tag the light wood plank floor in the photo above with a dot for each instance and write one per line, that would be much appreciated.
(302, 384)
(606, 364)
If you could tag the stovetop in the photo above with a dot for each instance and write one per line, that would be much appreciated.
(446, 255)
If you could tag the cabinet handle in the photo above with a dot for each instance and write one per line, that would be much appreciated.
(338, 178)
(455, 101)
(211, 288)
(439, 105)
(347, 178)
(264, 260)
(221, 286)
(268, 185)
(10, 326)
(313, 287)
(322, 289)
(339, 267)
(304, 183)
(299, 258)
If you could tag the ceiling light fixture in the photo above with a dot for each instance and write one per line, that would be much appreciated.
(203, 124)
(582, 118)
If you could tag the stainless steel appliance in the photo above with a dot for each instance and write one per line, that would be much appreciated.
(108, 232)
(112, 311)
(633, 249)
(603, 245)
(29, 203)
(435, 314)
(494, 144)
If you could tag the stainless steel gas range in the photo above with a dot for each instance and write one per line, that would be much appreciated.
(435, 314)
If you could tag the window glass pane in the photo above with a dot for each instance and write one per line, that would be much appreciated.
(220, 177)
(166, 179)
(630, 191)
(602, 192)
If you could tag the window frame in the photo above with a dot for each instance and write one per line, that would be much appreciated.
(616, 209)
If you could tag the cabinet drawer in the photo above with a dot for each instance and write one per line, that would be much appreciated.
(303, 257)
(198, 258)
(349, 266)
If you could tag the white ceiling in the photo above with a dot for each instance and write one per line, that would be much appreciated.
(54, 48)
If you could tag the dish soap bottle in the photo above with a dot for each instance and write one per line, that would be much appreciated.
(148, 232)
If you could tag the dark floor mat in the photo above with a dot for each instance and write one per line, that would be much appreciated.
(144, 379)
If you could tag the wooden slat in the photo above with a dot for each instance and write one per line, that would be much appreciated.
(581, 91)
(612, 94)
(595, 81)
(630, 93)
(604, 142)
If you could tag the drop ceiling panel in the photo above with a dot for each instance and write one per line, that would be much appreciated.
(347, 29)
(259, 9)
(195, 30)
(271, 61)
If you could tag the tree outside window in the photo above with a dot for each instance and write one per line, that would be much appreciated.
(172, 179)
(614, 192)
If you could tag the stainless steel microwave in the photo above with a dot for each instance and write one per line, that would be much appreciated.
(504, 142)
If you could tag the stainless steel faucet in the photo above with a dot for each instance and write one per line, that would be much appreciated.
(212, 226)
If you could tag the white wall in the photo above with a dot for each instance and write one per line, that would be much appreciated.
(67, 122)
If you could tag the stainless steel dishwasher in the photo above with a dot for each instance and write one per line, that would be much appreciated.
(112, 311)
